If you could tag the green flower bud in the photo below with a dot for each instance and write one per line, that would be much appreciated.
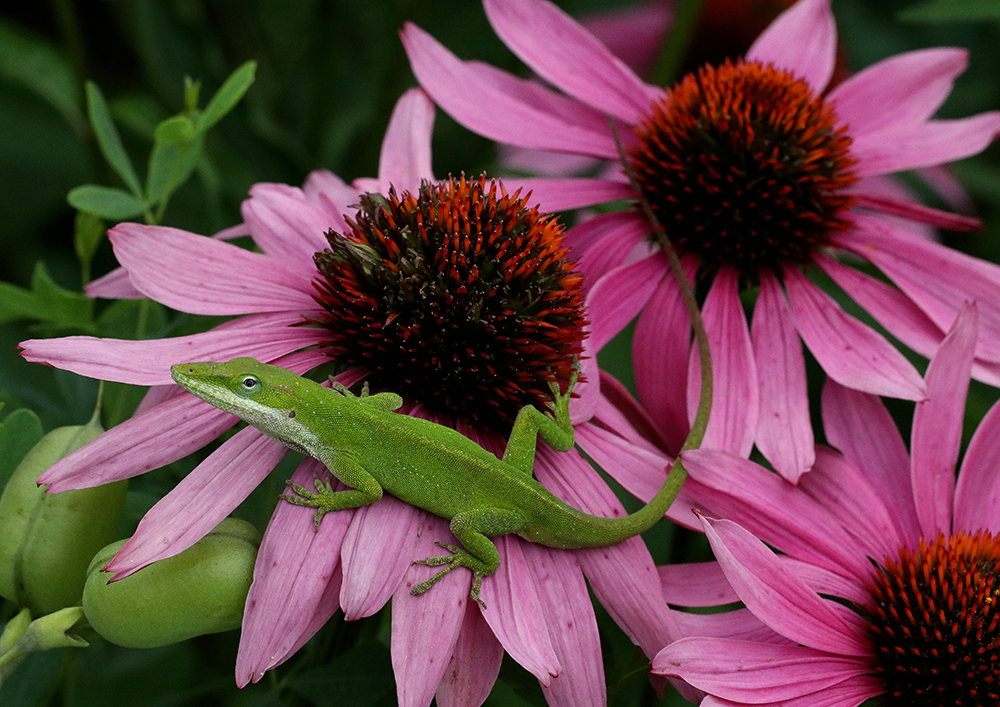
(14, 631)
(23, 636)
(49, 539)
(201, 590)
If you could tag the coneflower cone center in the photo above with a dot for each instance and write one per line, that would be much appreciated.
(459, 297)
(935, 623)
(744, 165)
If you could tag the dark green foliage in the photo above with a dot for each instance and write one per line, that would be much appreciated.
(125, 107)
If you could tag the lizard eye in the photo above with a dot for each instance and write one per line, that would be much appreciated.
(249, 384)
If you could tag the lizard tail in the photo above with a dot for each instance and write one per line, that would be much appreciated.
(597, 531)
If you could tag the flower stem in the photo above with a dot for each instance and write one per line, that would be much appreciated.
(698, 427)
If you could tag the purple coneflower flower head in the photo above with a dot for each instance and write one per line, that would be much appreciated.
(455, 294)
(887, 580)
(760, 177)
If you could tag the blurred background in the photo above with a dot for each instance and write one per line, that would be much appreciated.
(328, 74)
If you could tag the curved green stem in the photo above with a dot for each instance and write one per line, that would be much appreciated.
(700, 424)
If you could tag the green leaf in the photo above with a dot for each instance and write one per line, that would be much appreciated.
(175, 139)
(87, 233)
(36, 64)
(46, 301)
(176, 130)
(62, 305)
(18, 303)
(109, 139)
(952, 11)
(227, 96)
(170, 165)
(189, 159)
(138, 113)
(161, 164)
(107, 202)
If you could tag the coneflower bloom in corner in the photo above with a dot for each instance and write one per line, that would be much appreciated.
(757, 175)
(454, 294)
(888, 581)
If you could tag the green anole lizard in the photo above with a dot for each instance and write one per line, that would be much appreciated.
(371, 449)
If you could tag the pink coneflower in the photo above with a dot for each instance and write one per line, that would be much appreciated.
(758, 177)
(456, 295)
(888, 581)
(635, 34)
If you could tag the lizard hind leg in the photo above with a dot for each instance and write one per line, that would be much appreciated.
(478, 552)
(457, 558)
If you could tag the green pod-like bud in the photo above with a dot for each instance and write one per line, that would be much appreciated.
(198, 591)
(48, 539)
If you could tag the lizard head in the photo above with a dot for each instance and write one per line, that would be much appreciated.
(265, 396)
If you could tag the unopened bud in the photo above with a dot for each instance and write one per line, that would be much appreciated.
(22, 636)
(48, 539)
(198, 591)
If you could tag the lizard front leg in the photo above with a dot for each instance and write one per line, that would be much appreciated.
(478, 552)
(365, 489)
(531, 423)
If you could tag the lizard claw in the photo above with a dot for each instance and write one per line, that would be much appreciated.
(560, 398)
(456, 559)
(441, 559)
(305, 497)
